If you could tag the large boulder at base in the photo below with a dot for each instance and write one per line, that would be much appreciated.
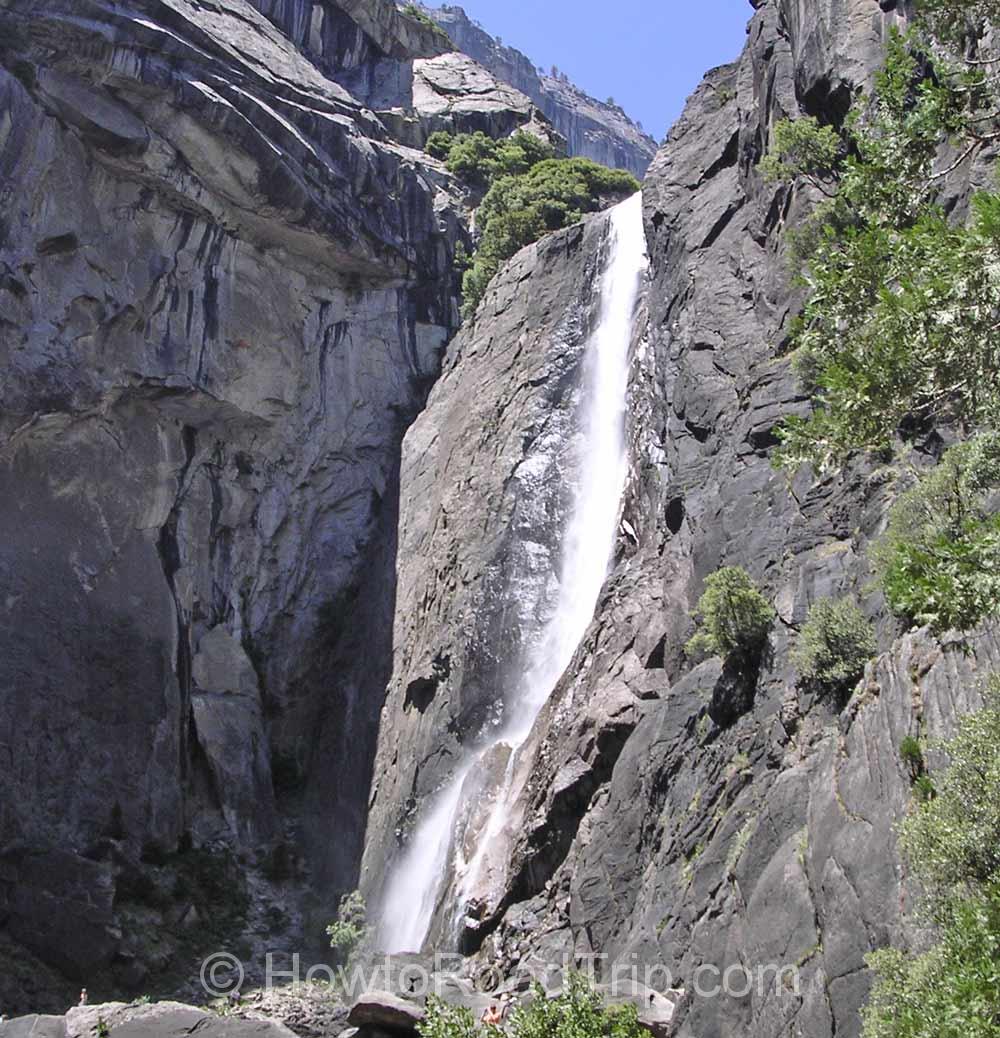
(157, 1020)
(385, 1012)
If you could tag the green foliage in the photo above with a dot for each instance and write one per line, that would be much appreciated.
(802, 147)
(952, 840)
(446, 1021)
(576, 1012)
(924, 789)
(912, 754)
(958, 21)
(734, 617)
(939, 560)
(519, 209)
(350, 927)
(462, 258)
(480, 159)
(835, 644)
(414, 12)
(528, 193)
(951, 991)
(899, 324)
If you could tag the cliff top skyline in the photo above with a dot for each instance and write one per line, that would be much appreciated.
(649, 73)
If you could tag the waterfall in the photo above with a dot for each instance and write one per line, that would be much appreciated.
(419, 877)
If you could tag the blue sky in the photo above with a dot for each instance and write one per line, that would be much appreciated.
(647, 54)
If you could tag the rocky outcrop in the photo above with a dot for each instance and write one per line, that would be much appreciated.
(367, 46)
(384, 1011)
(137, 1020)
(594, 129)
(453, 93)
(403, 68)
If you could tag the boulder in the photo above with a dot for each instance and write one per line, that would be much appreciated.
(385, 1012)
(34, 1026)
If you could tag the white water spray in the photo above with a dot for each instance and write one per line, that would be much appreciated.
(419, 877)
(413, 890)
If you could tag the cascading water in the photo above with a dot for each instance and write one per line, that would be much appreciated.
(418, 878)
(412, 894)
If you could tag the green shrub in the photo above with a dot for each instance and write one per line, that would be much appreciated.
(939, 561)
(951, 991)
(480, 159)
(802, 148)
(958, 20)
(350, 927)
(446, 1021)
(519, 209)
(952, 842)
(412, 11)
(576, 1012)
(924, 788)
(835, 644)
(528, 193)
(897, 329)
(912, 755)
(734, 617)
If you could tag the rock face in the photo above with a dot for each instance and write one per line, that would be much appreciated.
(452, 92)
(226, 279)
(224, 288)
(593, 129)
(404, 69)
(684, 819)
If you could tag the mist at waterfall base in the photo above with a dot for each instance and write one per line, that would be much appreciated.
(419, 875)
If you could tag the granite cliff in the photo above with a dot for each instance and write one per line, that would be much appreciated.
(269, 515)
